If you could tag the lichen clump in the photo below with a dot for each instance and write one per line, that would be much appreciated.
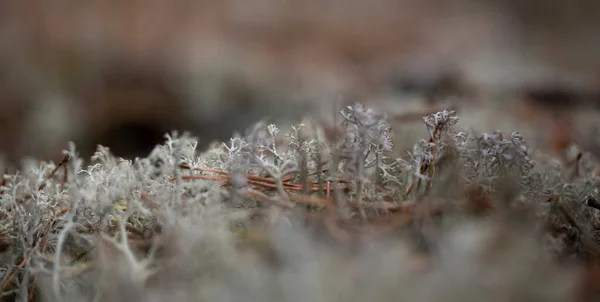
(320, 213)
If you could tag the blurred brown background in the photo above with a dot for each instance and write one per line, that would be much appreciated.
(123, 73)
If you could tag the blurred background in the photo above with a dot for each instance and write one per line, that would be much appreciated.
(124, 73)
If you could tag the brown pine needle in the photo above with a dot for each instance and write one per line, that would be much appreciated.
(35, 279)
(53, 172)
(14, 273)
(24, 261)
